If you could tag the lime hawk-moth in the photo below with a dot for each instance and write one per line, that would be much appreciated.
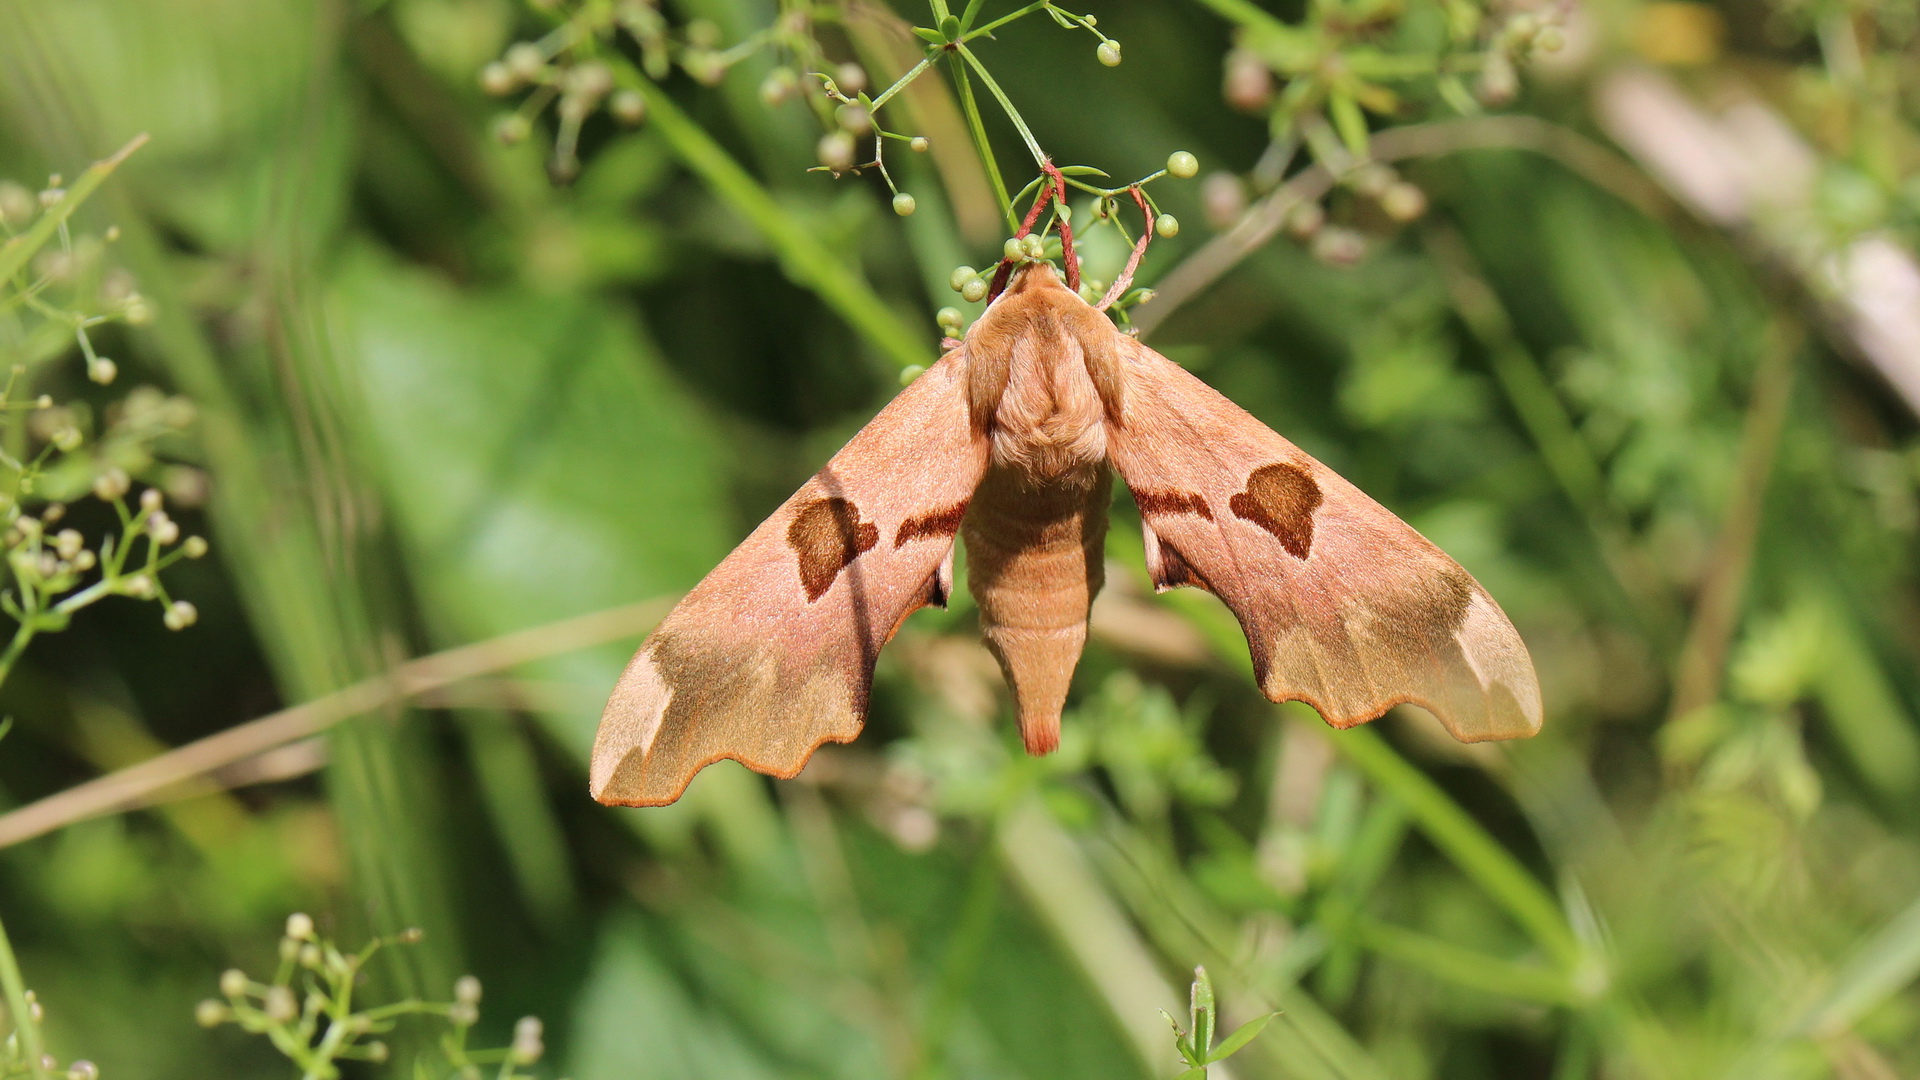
(1006, 442)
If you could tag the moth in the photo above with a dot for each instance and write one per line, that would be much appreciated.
(1009, 442)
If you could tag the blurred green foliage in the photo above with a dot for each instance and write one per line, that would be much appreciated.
(440, 397)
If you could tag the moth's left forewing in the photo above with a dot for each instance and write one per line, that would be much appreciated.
(1344, 605)
(772, 653)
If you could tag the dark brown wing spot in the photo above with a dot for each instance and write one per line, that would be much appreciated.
(939, 524)
(1281, 499)
(1437, 610)
(828, 534)
(1160, 503)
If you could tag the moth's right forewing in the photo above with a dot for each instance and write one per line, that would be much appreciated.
(772, 654)
(1344, 605)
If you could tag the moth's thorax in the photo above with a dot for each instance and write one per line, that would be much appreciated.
(1044, 377)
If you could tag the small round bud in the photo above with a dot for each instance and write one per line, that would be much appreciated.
(377, 1051)
(289, 950)
(497, 79)
(102, 370)
(112, 484)
(777, 87)
(1182, 164)
(113, 234)
(918, 144)
(511, 128)
(1339, 247)
(1013, 249)
(836, 151)
(853, 118)
(51, 197)
(44, 401)
(53, 512)
(84, 561)
(903, 204)
(463, 1014)
(310, 954)
(47, 1061)
(592, 79)
(16, 203)
(1223, 198)
(974, 291)
(138, 310)
(1403, 202)
(139, 586)
(151, 500)
(180, 615)
(1247, 83)
(1304, 220)
(68, 543)
(1033, 246)
(66, 438)
(211, 1013)
(1108, 53)
(1166, 225)
(83, 1070)
(280, 1005)
(851, 77)
(467, 989)
(300, 926)
(911, 372)
(163, 529)
(233, 982)
(527, 1045)
(195, 547)
(1550, 40)
(960, 276)
(410, 936)
(628, 107)
(524, 61)
(948, 317)
(1499, 83)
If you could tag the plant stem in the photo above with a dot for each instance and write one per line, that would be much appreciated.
(15, 989)
(1013, 114)
(978, 130)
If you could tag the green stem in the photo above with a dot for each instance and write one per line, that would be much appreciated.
(1004, 20)
(900, 84)
(16, 995)
(23, 634)
(801, 253)
(17, 250)
(1464, 967)
(1013, 114)
(976, 128)
(1477, 854)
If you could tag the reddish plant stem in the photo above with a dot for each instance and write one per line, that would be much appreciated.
(1125, 279)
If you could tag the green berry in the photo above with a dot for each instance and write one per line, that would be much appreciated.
(1033, 246)
(911, 372)
(960, 276)
(1108, 53)
(903, 204)
(1013, 249)
(1167, 225)
(948, 317)
(918, 144)
(1182, 164)
(974, 291)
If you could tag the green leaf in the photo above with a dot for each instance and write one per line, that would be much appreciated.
(1241, 1036)
(1082, 170)
(929, 35)
(1348, 120)
(1198, 1072)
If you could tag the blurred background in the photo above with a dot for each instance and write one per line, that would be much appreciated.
(435, 342)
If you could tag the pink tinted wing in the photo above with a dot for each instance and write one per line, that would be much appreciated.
(1344, 605)
(772, 654)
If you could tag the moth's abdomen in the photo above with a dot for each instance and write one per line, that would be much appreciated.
(1034, 564)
